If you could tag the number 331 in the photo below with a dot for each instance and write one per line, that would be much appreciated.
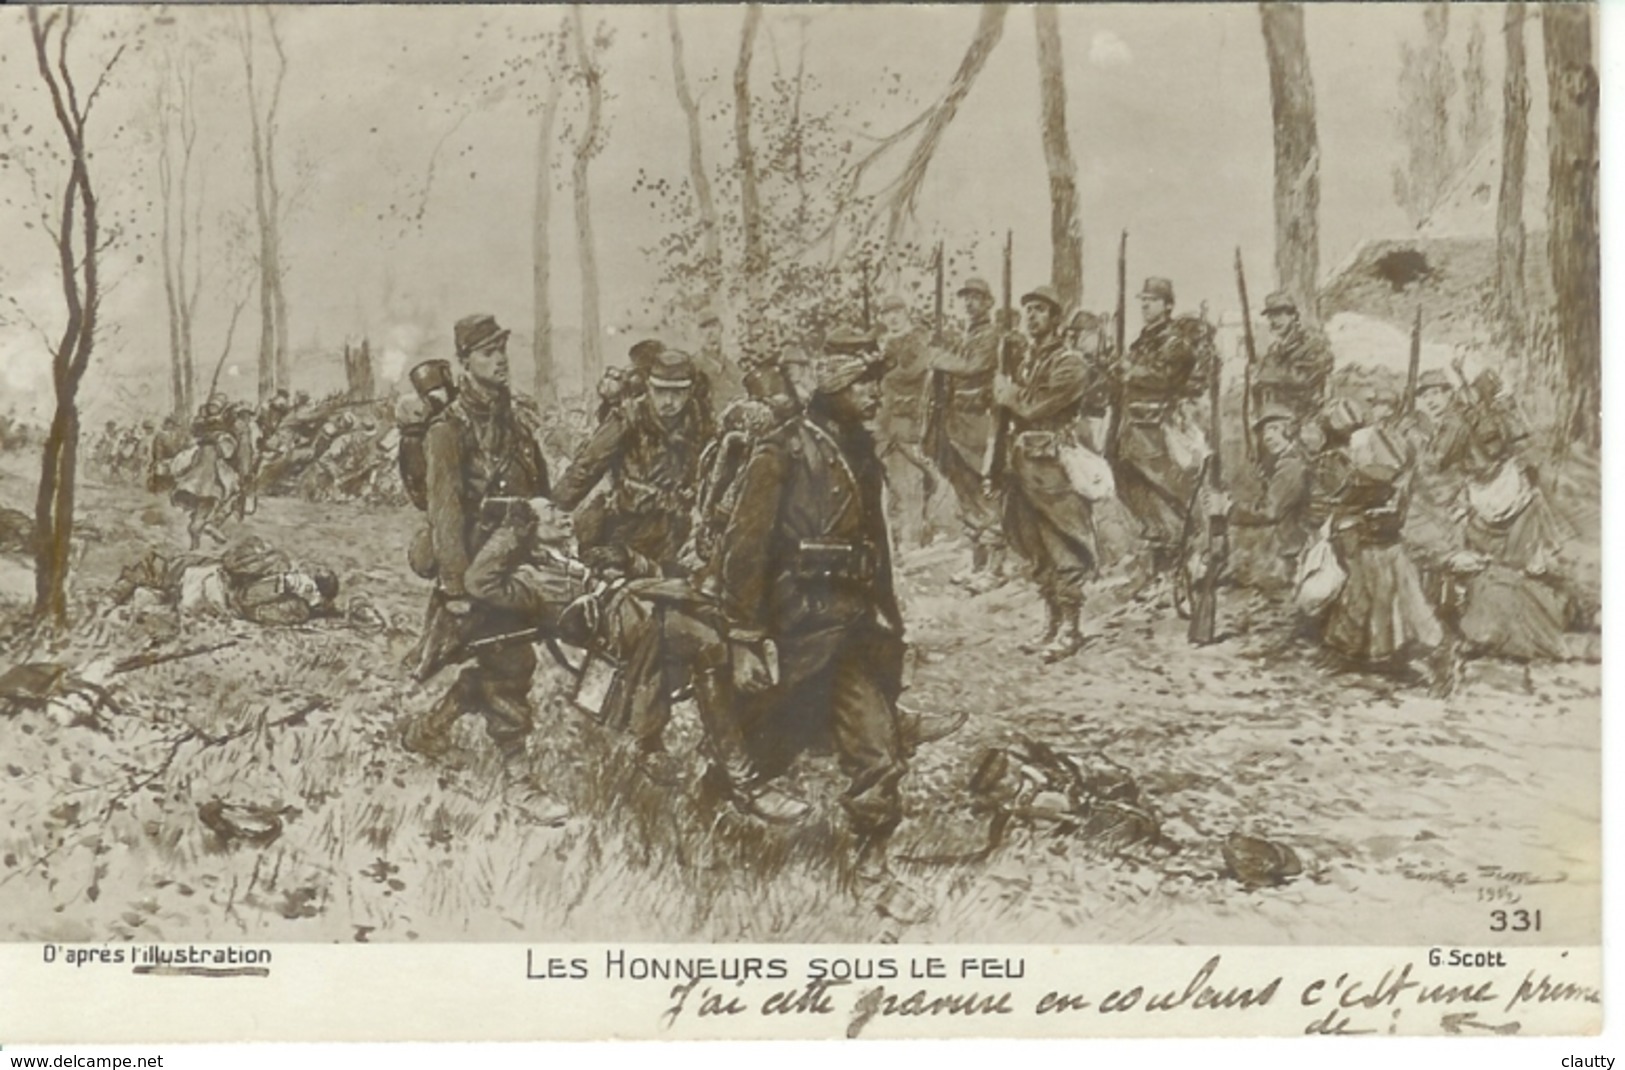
(1517, 921)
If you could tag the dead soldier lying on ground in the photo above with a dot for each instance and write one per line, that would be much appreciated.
(252, 581)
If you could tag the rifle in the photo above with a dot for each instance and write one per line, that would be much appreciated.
(1114, 426)
(147, 661)
(934, 440)
(1214, 530)
(868, 324)
(998, 447)
(1252, 358)
(1414, 371)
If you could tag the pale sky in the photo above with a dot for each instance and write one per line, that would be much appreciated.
(1168, 109)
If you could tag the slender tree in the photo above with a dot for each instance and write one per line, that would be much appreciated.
(1475, 91)
(1066, 239)
(541, 245)
(1509, 227)
(895, 200)
(179, 402)
(750, 205)
(274, 202)
(1297, 156)
(704, 203)
(1573, 243)
(80, 244)
(590, 76)
(1427, 85)
(180, 193)
(262, 129)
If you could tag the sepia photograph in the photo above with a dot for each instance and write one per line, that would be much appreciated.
(769, 497)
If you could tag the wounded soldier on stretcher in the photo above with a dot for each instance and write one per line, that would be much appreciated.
(647, 639)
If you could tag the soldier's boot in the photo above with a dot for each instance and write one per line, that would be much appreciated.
(917, 727)
(732, 773)
(995, 575)
(1052, 628)
(429, 734)
(655, 762)
(1069, 639)
(978, 565)
(508, 723)
(748, 793)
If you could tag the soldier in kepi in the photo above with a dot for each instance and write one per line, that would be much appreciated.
(1291, 375)
(648, 446)
(1158, 452)
(806, 561)
(1047, 519)
(482, 468)
(967, 424)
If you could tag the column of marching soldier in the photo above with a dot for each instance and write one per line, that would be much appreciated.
(722, 535)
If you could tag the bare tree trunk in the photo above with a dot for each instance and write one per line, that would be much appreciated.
(1066, 240)
(896, 199)
(710, 228)
(541, 248)
(54, 503)
(267, 254)
(1573, 244)
(900, 203)
(188, 283)
(749, 200)
(178, 401)
(1509, 233)
(274, 211)
(1297, 157)
(592, 345)
(797, 136)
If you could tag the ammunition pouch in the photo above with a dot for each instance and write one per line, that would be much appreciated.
(834, 560)
(505, 512)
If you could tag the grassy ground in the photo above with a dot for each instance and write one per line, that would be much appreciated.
(1413, 816)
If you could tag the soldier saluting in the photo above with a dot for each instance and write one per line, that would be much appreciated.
(1169, 362)
(482, 465)
(967, 425)
(1046, 519)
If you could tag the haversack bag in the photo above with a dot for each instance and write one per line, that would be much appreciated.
(1320, 577)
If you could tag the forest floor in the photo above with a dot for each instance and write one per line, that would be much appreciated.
(1413, 817)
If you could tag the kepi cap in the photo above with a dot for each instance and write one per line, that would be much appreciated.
(1045, 294)
(671, 368)
(976, 286)
(1280, 301)
(476, 332)
(1160, 288)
